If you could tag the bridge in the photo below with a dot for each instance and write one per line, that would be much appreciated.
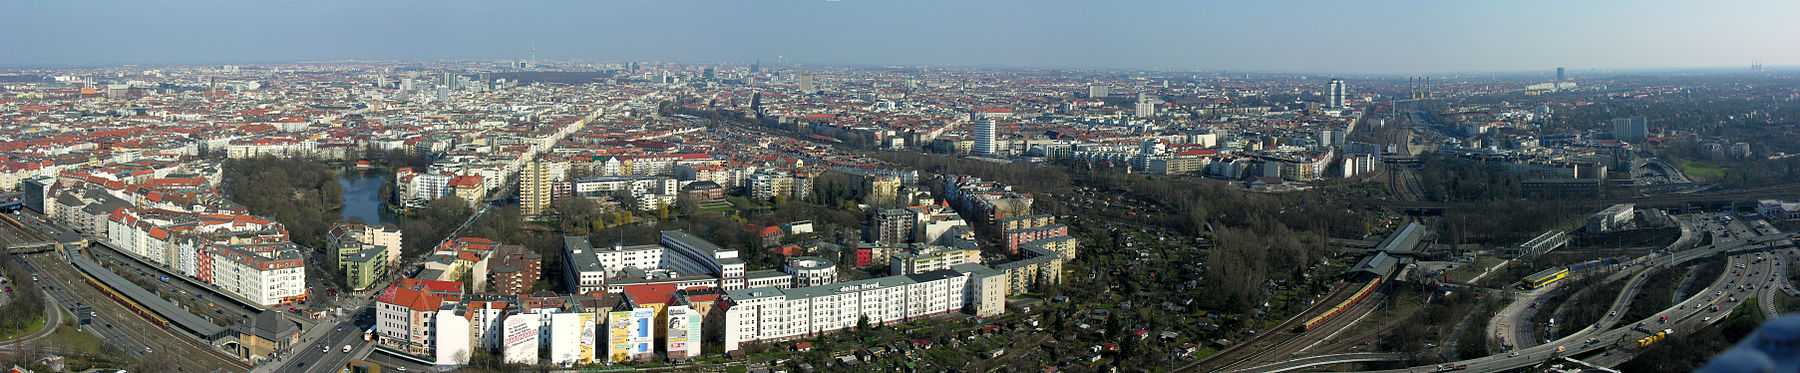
(1323, 360)
(1743, 199)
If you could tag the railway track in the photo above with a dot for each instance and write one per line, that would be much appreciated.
(189, 354)
(1324, 331)
(1272, 337)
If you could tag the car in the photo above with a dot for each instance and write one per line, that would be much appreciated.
(346, 348)
(1706, 319)
(146, 350)
(1613, 313)
(325, 349)
(1513, 354)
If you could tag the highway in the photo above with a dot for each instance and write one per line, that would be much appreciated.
(1691, 313)
(124, 329)
(1743, 246)
(1324, 360)
(322, 349)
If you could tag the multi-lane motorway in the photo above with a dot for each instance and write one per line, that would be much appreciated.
(1619, 336)
(1754, 270)
(116, 325)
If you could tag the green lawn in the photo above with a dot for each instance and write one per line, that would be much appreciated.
(1701, 171)
(30, 327)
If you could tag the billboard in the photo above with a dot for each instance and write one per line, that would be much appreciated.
(643, 333)
(519, 339)
(619, 336)
(684, 332)
(587, 338)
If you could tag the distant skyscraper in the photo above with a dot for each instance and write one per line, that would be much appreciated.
(1146, 106)
(756, 67)
(1630, 129)
(806, 82)
(756, 103)
(534, 189)
(1336, 94)
(984, 137)
(1096, 91)
(1559, 74)
(707, 73)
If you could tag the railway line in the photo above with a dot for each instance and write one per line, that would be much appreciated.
(145, 332)
(1326, 330)
(1272, 337)
(142, 336)
(1344, 305)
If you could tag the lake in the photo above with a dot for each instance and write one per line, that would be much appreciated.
(362, 195)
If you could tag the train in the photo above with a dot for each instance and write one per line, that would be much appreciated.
(123, 300)
(1341, 306)
(1598, 262)
(13, 222)
(1653, 338)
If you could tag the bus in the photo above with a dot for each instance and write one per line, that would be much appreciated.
(369, 335)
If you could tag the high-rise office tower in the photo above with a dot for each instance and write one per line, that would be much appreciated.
(1630, 129)
(1559, 74)
(806, 82)
(756, 67)
(984, 137)
(1336, 99)
(534, 189)
(1096, 91)
(1146, 106)
(706, 73)
(756, 103)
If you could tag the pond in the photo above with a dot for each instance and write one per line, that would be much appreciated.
(362, 195)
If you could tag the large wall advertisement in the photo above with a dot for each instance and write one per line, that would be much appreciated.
(677, 339)
(643, 333)
(519, 339)
(587, 338)
(684, 332)
(618, 335)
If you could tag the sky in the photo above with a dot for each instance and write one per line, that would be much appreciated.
(1383, 37)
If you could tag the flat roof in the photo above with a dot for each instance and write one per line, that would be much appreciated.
(181, 318)
(1545, 274)
(1403, 240)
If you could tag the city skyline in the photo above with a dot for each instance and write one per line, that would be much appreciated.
(1300, 36)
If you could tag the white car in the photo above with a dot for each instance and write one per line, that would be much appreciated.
(346, 348)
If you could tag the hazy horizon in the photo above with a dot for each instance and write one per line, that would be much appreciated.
(1384, 37)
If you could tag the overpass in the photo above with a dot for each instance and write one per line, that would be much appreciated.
(1745, 198)
(1323, 360)
(1529, 356)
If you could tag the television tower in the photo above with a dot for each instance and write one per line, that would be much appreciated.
(533, 53)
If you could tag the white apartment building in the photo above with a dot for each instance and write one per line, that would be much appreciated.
(767, 314)
(267, 274)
